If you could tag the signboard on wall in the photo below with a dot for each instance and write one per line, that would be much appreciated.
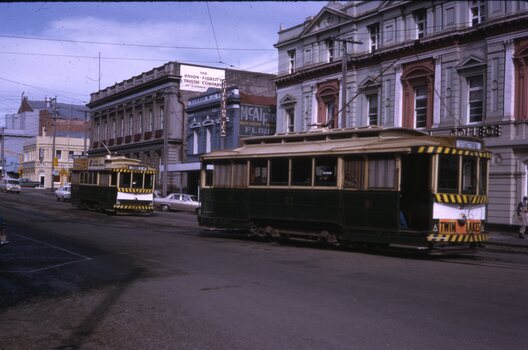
(257, 120)
(200, 79)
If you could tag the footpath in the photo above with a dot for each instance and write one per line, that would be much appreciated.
(503, 239)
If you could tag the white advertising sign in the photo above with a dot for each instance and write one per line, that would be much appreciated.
(200, 78)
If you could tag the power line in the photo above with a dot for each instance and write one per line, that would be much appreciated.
(132, 45)
(44, 89)
(214, 34)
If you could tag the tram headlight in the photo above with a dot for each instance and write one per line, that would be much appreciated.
(462, 220)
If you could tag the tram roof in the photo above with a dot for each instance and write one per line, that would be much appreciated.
(343, 141)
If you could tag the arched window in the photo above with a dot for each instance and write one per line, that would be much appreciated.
(418, 93)
(520, 60)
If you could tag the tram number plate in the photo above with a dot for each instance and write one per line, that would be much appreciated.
(453, 226)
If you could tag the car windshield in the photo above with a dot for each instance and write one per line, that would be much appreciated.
(13, 182)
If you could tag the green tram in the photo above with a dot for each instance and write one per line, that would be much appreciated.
(394, 186)
(112, 184)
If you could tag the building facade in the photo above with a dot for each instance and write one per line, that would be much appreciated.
(245, 115)
(144, 116)
(38, 158)
(443, 67)
(38, 118)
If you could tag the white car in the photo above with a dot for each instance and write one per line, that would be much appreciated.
(63, 193)
(10, 185)
(177, 201)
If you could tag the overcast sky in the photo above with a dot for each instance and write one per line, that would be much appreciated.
(52, 49)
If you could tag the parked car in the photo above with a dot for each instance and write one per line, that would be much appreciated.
(10, 185)
(3, 234)
(177, 201)
(63, 193)
(25, 182)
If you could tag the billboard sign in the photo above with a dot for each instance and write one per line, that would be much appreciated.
(257, 120)
(200, 79)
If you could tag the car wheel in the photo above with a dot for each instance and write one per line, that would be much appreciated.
(165, 207)
(58, 199)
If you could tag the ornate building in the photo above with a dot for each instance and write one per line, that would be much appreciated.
(443, 67)
(144, 116)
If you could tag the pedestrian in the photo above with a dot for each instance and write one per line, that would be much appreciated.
(522, 215)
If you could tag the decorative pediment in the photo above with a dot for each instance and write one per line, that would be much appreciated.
(370, 83)
(326, 19)
(471, 62)
(207, 121)
(288, 100)
(194, 124)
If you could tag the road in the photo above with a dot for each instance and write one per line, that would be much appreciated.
(73, 279)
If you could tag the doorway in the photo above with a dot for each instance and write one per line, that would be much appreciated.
(415, 191)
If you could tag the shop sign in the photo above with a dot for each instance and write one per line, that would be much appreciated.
(478, 131)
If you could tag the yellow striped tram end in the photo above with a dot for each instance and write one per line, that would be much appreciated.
(119, 170)
(458, 238)
(134, 190)
(451, 150)
(133, 207)
(460, 198)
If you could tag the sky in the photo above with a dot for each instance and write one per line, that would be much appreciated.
(71, 49)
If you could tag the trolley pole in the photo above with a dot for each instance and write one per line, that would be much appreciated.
(223, 115)
(53, 105)
(344, 66)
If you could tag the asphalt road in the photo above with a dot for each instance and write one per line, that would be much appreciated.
(73, 279)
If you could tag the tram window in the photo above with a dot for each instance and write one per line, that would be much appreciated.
(113, 180)
(483, 178)
(104, 179)
(208, 173)
(301, 172)
(258, 172)
(354, 172)
(325, 171)
(382, 173)
(469, 175)
(448, 173)
(148, 180)
(240, 174)
(75, 178)
(279, 171)
(137, 180)
(124, 180)
(222, 174)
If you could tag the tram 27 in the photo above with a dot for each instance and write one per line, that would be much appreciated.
(396, 187)
(112, 184)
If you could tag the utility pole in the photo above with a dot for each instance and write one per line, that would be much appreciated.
(223, 115)
(85, 132)
(344, 66)
(167, 112)
(54, 109)
(2, 155)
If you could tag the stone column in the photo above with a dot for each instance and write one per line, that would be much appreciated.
(398, 96)
(509, 81)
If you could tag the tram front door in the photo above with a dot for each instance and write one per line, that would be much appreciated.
(414, 199)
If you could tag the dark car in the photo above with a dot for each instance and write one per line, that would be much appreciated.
(25, 182)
